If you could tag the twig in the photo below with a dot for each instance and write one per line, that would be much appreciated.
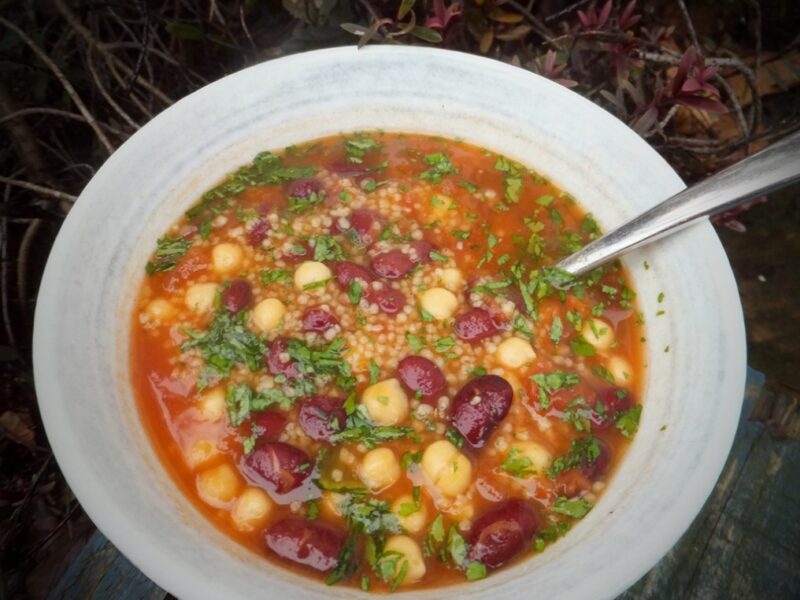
(46, 539)
(22, 267)
(36, 110)
(104, 93)
(538, 26)
(244, 26)
(567, 10)
(39, 189)
(737, 106)
(23, 505)
(64, 82)
(108, 56)
(667, 118)
(144, 48)
(689, 26)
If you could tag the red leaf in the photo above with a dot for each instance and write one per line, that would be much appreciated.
(627, 19)
(585, 20)
(604, 14)
(687, 62)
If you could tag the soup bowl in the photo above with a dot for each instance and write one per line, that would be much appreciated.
(695, 351)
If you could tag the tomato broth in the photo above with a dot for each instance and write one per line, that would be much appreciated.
(355, 358)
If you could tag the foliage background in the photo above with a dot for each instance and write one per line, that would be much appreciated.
(705, 84)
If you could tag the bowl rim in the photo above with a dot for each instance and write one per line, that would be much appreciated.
(88, 488)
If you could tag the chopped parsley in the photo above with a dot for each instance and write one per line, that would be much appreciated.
(241, 400)
(359, 429)
(444, 344)
(581, 452)
(327, 248)
(358, 146)
(552, 382)
(556, 330)
(454, 437)
(374, 371)
(298, 204)
(437, 256)
(578, 413)
(416, 342)
(169, 251)
(226, 343)
(283, 276)
(354, 291)
(582, 348)
(603, 373)
(628, 421)
(517, 464)
(326, 361)
(440, 165)
(469, 186)
(577, 508)
(512, 179)
(474, 571)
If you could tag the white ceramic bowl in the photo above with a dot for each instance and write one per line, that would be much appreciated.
(693, 392)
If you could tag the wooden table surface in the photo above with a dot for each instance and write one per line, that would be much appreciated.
(745, 543)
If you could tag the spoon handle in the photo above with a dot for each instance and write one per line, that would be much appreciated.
(774, 167)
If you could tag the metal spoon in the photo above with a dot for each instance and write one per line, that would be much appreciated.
(774, 167)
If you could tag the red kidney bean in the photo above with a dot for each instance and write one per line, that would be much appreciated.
(297, 251)
(422, 376)
(303, 188)
(310, 543)
(277, 467)
(501, 534)
(189, 231)
(389, 301)
(258, 233)
(237, 296)
(347, 271)
(596, 468)
(421, 252)
(318, 319)
(609, 403)
(474, 325)
(276, 364)
(479, 407)
(365, 225)
(269, 424)
(392, 265)
(321, 416)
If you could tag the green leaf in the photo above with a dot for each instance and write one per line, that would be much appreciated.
(581, 452)
(582, 348)
(169, 250)
(426, 34)
(517, 465)
(556, 330)
(405, 8)
(346, 564)
(374, 371)
(435, 536)
(456, 547)
(327, 248)
(282, 276)
(475, 571)
(628, 421)
(577, 508)
(440, 166)
(416, 342)
(354, 291)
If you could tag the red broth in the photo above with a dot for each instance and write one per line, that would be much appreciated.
(354, 360)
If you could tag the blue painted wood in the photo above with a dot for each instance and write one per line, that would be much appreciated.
(744, 544)
(101, 572)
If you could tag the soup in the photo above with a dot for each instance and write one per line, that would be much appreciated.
(354, 358)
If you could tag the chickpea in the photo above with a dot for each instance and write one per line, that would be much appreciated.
(212, 404)
(227, 258)
(386, 402)
(539, 456)
(412, 554)
(620, 370)
(268, 314)
(379, 469)
(160, 310)
(598, 333)
(219, 485)
(515, 352)
(413, 522)
(201, 452)
(309, 273)
(200, 297)
(447, 468)
(439, 302)
(452, 279)
(251, 509)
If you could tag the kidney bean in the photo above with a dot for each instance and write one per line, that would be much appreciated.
(310, 543)
(303, 188)
(608, 403)
(596, 468)
(422, 251)
(479, 407)
(277, 467)
(321, 416)
(269, 424)
(501, 534)
(347, 271)
(474, 325)
(392, 265)
(365, 226)
(318, 319)
(345, 168)
(258, 233)
(389, 301)
(297, 251)
(422, 376)
(237, 296)
(278, 365)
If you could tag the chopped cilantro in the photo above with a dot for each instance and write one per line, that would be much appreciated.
(577, 508)
(283, 276)
(374, 371)
(517, 464)
(475, 570)
(454, 437)
(512, 179)
(628, 421)
(369, 185)
(327, 248)
(552, 382)
(581, 452)
(440, 165)
(169, 250)
(438, 256)
(545, 200)
(456, 547)
(354, 291)
(478, 371)
(578, 413)
(556, 330)
(444, 344)
(359, 429)
(582, 348)
(435, 536)
(312, 512)
(358, 146)
(603, 373)
(241, 399)
(298, 204)
(469, 186)
(461, 234)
